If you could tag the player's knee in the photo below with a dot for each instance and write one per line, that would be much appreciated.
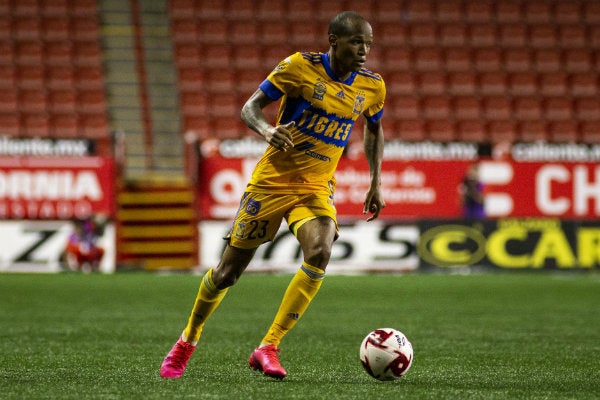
(318, 255)
(223, 278)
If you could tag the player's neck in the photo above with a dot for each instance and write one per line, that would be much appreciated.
(342, 75)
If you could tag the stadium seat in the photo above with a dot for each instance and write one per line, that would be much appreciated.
(453, 35)
(584, 84)
(572, 36)
(8, 81)
(448, 11)
(58, 53)
(537, 12)
(184, 30)
(243, 33)
(85, 28)
(577, 60)
(223, 106)
(594, 36)
(181, 9)
(466, 108)
(35, 125)
(482, 35)
(241, 10)
(563, 131)
(522, 84)
(517, 60)
(25, 8)
(89, 78)
(532, 131)
(191, 79)
(60, 77)
(56, 28)
(527, 109)
(553, 84)
(501, 131)
(273, 55)
(215, 56)
(94, 126)
(64, 126)
(478, 12)
(512, 35)
(211, 10)
(507, 12)
(432, 83)
(193, 103)
(54, 8)
(220, 81)
(411, 130)
(420, 10)
(365, 8)
(32, 101)
(423, 35)
(247, 81)
(492, 84)
(542, 36)
(587, 108)
(441, 130)
(187, 55)
(547, 60)
(590, 132)
(83, 8)
(397, 59)
(487, 59)
(214, 33)
(227, 128)
(26, 28)
(406, 107)
(497, 108)
(436, 108)
(300, 10)
(91, 102)
(400, 83)
(9, 124)
(591, 12)
(462, 83)
(62, 101)
(30, 77)
(457, 59)
(274, 11)
(87, 54)
(392, 34)
(428, 59)
(9, 102)
(273, 34)
(386, 11)
(304, 35)
(558, 109)
(567, 12)
(5, 30)
(471, 131)
(247, 57)
(29, 53)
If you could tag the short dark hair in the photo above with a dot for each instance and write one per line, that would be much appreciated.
(343, 24)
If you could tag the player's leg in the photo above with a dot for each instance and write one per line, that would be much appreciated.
(316, 237)
(213, 287)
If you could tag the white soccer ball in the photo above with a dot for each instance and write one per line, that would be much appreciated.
(386, 354)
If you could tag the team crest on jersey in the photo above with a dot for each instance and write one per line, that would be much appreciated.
(341, 94)
(359, 104)
(319, 91)
(252, 207)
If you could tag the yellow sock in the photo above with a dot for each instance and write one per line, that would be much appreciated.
(301, 290)
(207, 300)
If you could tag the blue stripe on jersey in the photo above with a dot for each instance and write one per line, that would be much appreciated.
(293, 109)
(328, 128)
(376, 117)
(270, 90)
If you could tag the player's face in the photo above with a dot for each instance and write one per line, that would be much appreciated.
(350, 52)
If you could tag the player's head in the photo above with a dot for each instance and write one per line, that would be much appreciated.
(350, 39)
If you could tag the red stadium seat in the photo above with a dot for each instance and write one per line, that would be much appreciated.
(87, 54)
(273, 34)
(83, 8)
(29, 53)
(466, 108)
(32, 101)
(412, 130)
(215, 32)
(428, 59)
(436, 107)
(191, 79)
(457, 59)
(567, 12)
(488, 59)
(517, 60)
(587, 109)
(478, 12)
(453, 35)
(406, 107)
(553, 84)
(462, 83)
(9, 102)
(547, 60)
(30, 77)
(432, 83)
(58, 53)
(94, 126)
(35, 125)
(420, 10)
(194, 103)
(532, 131)
(60, 77)
(527, 109)
(55, 8)
(563, 131)
(305, 35)
(243, 32)
(578, 60)
(388, 11)
(220, 81)
(584, 84)
(247, 57)
(9, 124)
(181, 9)
(482, 35)
(26, 28)
(184, 30)
(572, 36)
(8, 81)
(89, 78)
(64, 126)
(224, 106)
(512, 35)
(211, 10)
(274, 11)
(91, 102)
(397, 59)
(493, 84)
(247, 81)
(187, 55)
(441, 130)
(508, 12)
(227, 128)
(501, 131)
(56, 28)
(62, 101)
(590, 132)
(423, 35)
(400, 83)
(241, 10)
(85, 28)
(537, 12)
(522, 84)
(591, 12)
(558, 109)
(449, 11)
(471, 131)
(216, 56)
(543, 36)
(392, 34)
(497, 108)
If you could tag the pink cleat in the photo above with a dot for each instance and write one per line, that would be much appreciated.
(265, 359)
(175, 362)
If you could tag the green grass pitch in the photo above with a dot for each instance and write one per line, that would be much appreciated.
(477, 336)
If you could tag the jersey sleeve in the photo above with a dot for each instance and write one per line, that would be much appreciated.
(284, 79)
(375, 111)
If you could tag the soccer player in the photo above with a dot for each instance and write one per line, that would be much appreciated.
(322, 95)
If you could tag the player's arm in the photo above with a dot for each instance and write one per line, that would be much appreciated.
(252, 114)
(373, 143)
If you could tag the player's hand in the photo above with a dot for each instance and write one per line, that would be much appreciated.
(280, 137)
(373, 203)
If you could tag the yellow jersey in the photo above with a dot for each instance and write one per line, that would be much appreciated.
(324, 110)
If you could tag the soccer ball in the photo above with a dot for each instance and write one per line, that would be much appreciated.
(386, 354)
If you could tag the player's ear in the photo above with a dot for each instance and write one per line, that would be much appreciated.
(333, 40)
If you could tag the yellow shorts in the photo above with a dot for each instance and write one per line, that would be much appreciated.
(260, 215)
